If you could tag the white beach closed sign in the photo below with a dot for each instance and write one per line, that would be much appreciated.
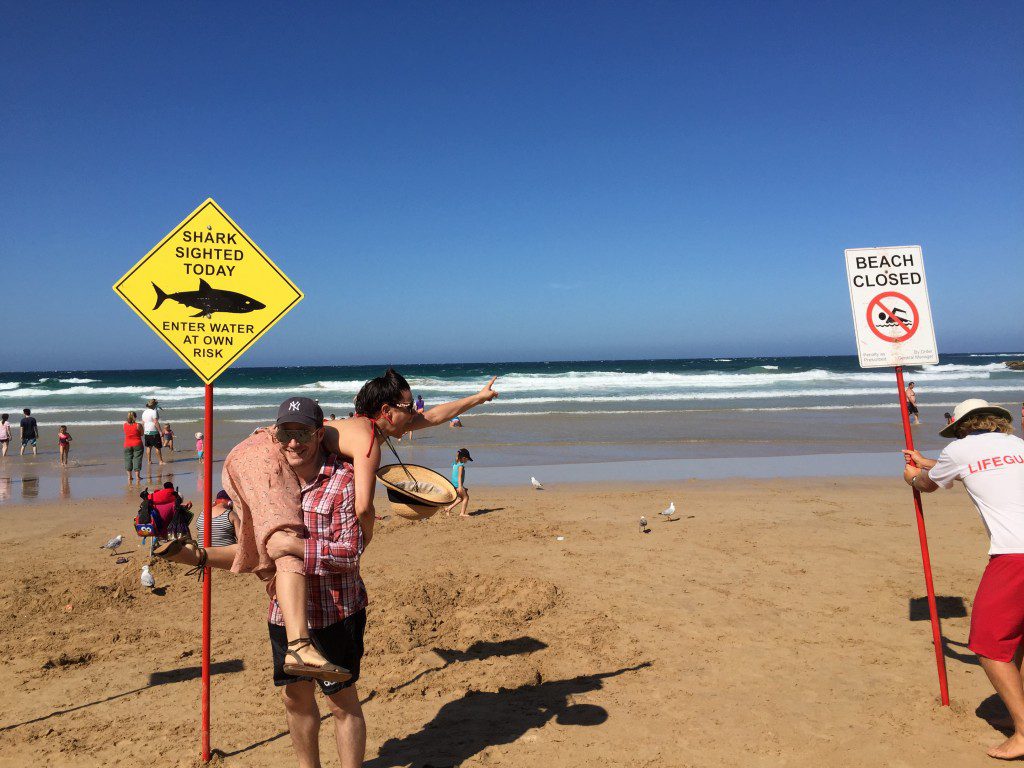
(891, 313)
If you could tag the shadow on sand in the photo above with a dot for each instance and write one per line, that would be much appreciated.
(155, 679)
(478, 650)
(948, 606)
(487, 511)
(466, 726)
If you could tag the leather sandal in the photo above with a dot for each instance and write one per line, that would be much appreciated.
(327, 671)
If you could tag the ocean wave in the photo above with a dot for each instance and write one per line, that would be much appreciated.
(951, 367)
(338, 394)
(758, 394)
(606, 381)
(654, 411)
(71, 423)
(1012, 354)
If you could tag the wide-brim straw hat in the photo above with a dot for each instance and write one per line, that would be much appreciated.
(972, 407)
(416, 492)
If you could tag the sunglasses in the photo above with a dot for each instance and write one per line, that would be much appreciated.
(285, 436)
(407, 407)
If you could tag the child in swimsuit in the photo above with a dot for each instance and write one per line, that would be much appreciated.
(168, 437)
(5, 434)
(63, 445)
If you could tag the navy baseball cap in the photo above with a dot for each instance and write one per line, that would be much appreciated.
(300, 410)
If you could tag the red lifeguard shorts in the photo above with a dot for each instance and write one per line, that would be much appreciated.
(997, 619)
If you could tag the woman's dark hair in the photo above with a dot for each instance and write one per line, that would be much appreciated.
(4, 416)
(383, 390)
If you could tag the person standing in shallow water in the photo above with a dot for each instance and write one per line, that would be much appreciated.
(151, 432)
(5, 434)
(29, 432)
(989, 460)
(132, 446)
(912, 403)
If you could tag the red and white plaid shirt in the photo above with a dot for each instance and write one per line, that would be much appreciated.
(335, 543)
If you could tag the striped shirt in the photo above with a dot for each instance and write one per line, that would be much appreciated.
(223, 532)
(334, 586)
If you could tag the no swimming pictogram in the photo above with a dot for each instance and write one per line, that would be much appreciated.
(892, 317)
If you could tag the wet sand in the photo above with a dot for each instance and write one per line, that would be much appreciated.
(773, 623)
(661, 446)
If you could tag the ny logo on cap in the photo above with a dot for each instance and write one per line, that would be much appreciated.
(293, 405)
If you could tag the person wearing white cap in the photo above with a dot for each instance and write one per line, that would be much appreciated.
(989, 460)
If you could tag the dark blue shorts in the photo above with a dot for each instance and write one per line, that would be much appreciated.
(340, 643)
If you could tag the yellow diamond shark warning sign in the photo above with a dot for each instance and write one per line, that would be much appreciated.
(208, 291)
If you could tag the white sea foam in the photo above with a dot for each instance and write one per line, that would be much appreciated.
(759, 394)
(950, 367)
(74, 381)
(5, 385)
(608, 381)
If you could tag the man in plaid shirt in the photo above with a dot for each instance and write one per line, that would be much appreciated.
(336, 594)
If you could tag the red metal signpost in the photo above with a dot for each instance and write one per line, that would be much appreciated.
(940, 656)
(207, 574)
(191, 322)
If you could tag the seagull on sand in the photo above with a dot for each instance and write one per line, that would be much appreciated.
(146, 579)
(113, 544)
(536, 484)
(671, 510)
(643, 524)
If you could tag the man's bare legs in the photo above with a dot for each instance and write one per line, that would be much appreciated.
(349, 726)
(304, 724)
(1005, 677)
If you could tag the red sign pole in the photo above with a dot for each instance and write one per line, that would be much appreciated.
(940, 657)
(207, 541)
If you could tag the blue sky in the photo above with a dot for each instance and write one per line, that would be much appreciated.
(503, 181)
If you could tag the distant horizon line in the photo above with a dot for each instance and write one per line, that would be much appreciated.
(479, 363)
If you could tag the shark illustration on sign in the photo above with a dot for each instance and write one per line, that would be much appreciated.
(209, 300)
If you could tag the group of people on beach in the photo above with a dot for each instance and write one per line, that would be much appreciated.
(297, 510)
(146, 436)
(30, 436)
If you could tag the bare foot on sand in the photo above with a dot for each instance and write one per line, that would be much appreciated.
(1010, 749)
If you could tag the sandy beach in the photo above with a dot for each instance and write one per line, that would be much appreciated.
(770, 625)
